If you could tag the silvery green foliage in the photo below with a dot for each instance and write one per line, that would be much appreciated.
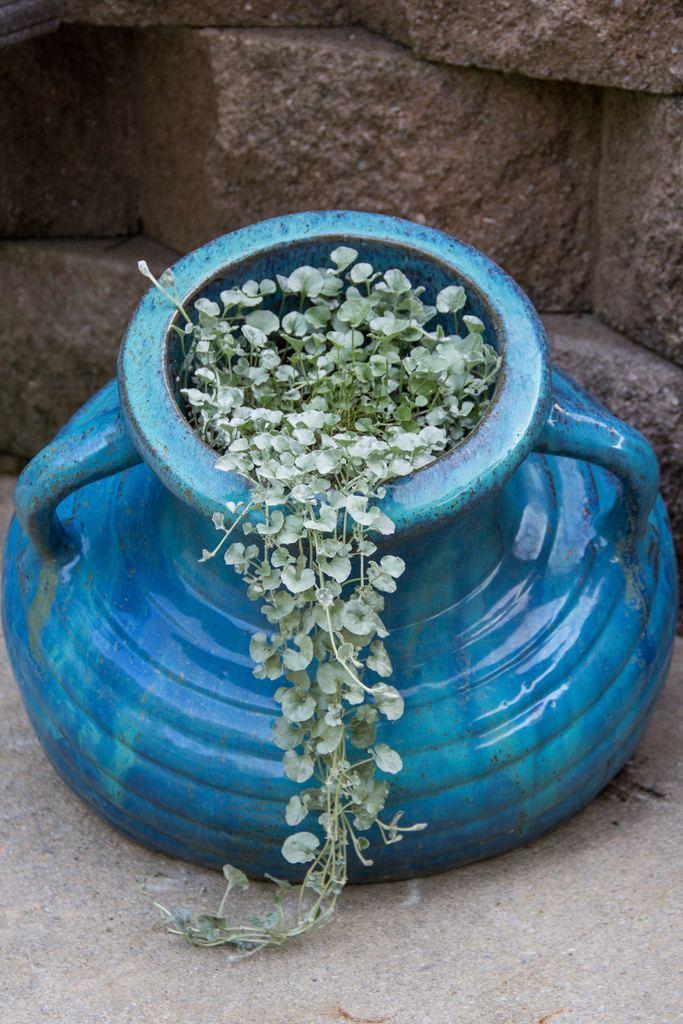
(318, 404)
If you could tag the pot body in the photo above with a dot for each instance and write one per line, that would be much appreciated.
(530, 636)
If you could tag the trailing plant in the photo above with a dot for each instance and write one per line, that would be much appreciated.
(318, 388)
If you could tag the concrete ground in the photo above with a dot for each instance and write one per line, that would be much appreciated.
(582, 927)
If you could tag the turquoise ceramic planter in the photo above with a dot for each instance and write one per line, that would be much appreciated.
(530, 635)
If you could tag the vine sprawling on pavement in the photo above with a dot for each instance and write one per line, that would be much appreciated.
(317, 389)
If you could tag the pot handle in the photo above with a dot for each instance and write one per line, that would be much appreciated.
(580, 428)
(75, 458)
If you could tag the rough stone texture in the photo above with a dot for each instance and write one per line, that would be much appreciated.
(581, 927)
(68, 160)
(64, 306)
(240, 125)
(632, 44)
(641, 388)
(639, 273)
(226, 13)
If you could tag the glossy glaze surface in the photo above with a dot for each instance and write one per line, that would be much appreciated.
(530, 635)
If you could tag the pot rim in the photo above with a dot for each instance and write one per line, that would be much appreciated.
(478, 465)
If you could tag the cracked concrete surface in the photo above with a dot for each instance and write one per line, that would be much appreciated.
(581, 927)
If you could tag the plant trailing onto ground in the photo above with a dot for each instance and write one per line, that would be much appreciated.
(318, 388)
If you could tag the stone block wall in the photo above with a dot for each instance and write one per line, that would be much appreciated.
(69, 155)
(639, 272)
(66, 304)
(631, 44)
(547, 135)
(338, 119)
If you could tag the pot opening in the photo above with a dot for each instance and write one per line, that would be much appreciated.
(421, 268)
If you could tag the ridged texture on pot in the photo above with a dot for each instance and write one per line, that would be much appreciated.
(524, 694)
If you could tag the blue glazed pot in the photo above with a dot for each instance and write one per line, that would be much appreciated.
(530, 635)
